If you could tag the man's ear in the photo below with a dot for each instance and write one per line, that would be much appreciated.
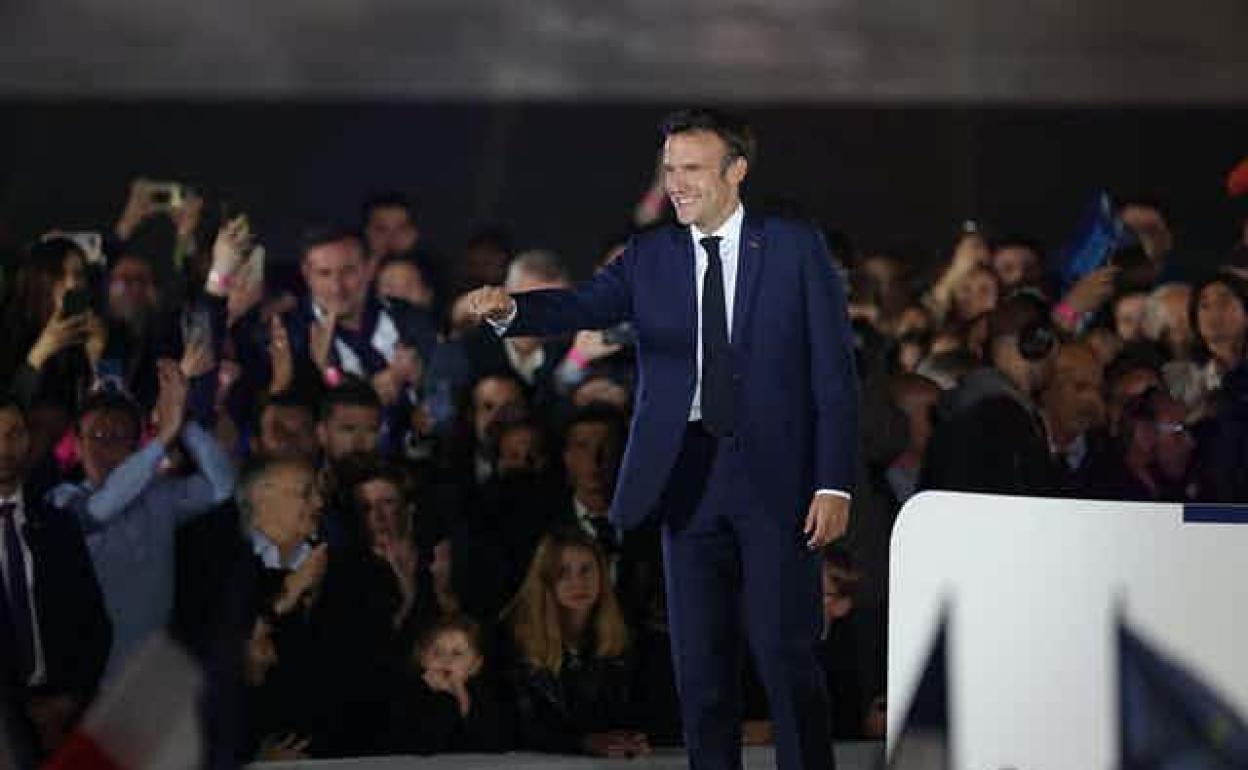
(737, 170)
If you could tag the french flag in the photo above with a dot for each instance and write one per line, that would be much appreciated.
(147, 718)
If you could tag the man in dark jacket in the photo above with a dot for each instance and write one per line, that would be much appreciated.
(54, 632)
(988, 436)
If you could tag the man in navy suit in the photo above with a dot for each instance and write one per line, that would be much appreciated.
(744, 434)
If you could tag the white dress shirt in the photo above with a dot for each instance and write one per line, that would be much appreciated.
(19, 520)
(729, 234)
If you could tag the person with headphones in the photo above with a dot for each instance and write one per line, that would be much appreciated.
(988, 435)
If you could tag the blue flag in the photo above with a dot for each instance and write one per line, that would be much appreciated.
(1100, 233)
(923, 741)
(1169, 719)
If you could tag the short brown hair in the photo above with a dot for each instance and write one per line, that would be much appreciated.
(734, 131)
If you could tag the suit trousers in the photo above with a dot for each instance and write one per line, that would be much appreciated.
(735, 571)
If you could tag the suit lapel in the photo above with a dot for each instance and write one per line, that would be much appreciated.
(749, 264)
(685, 284)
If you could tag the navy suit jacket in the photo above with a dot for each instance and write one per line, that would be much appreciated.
(796, 392)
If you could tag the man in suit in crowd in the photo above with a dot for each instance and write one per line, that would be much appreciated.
(54, 630)
(743, 437)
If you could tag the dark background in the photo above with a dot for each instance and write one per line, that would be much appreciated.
(565, 175)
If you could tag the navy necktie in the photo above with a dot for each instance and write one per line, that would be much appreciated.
(716, 358)
(17, 593)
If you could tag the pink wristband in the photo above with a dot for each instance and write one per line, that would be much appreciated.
(1066, 313)
(333, 376)
(219, 281)
(577, 359)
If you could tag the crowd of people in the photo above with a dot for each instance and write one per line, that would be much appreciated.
(383, 527)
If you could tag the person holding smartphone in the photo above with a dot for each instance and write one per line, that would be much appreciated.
(57, 337)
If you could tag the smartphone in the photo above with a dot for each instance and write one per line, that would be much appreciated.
(75, 302)
(167, 196)
(621, 334)
(196, 328)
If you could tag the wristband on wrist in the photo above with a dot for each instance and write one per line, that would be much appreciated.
(577, 358)
(1067, 314)
(333, 376)
(219, 282)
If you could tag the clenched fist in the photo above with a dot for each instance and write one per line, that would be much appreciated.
(490, 303)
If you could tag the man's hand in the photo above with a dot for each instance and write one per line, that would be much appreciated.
(197, 359)
(1092, 290)
(303, 583)
(170, 401)
(490, 303)
(321, 340)
(827, 520)
(281, 360)
(247, 287)
(591, 346)
(186, 217)
(138, 208)
(229, 251)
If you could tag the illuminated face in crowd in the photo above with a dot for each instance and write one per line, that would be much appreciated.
(591, 457)
(107, 437)
(578, 583)
(1221, 316)
(287, 504)
(976, 294)
(403, 280)
(390, 230)
(350, 428)
(520, 450)
(1074, 395)
(131, 288)
(702, 183)
(490, 395)
(452, 654)
(383, 509)
(338, 275)
(1129, 316)
(287, 432)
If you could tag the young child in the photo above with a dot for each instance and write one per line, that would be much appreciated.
(446, 703)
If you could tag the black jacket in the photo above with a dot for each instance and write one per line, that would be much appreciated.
(588, 695)
(987, 438)
(423, 721)
(74, 628)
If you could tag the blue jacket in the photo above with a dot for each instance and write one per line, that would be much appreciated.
(793, 363)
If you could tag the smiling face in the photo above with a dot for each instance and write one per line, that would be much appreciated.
(701, 180)
(337, 275)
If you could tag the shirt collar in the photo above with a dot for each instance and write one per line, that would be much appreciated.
(730, 230)
(18, 500)
(271, 556)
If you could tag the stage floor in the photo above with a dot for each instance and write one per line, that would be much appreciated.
(849, 756)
